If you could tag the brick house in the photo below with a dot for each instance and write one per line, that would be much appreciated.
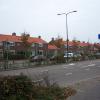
(80, 47)
(52, 50)
(76, 46)
(14, 45)
(97, 47)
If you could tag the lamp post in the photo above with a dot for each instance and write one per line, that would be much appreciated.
(66, 14)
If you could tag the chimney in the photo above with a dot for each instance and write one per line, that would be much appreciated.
(78, 41)
(39, 37)
(52, 39)
(83, 41)
(28, 35)
(13, 34)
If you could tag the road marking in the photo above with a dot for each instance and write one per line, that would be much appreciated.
(92, 65)
(44, 71)
(87, 69)
(72, 64)
(67, 67)
(88, 66)
(68, 74)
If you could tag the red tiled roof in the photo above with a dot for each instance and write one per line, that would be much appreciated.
(10, 38)
(53, 47)
(70, 43)
(97, 44)
(83, 44)
(18, 39)
(36, 40)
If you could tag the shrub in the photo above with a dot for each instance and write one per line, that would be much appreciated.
(15, 88)
(22, 88)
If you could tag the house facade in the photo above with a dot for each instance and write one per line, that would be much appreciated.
(14, 45)
(52, 50)
(76, 47)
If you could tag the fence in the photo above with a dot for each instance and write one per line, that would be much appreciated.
(9, 65)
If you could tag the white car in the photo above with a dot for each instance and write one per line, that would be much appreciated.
(69, 55)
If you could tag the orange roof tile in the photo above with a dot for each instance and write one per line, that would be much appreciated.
(10, 38)
(18, 39)
(53, 47)
(70, 43)
(36, 40)
(83, 44)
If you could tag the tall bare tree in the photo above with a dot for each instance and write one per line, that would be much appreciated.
(24, 38)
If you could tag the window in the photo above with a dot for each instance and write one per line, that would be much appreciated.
(12, 51)
(1, 43)
(11, 43)
(40, 52)
(1, 53)
(33, 44)
(40, 45)
(33, 53)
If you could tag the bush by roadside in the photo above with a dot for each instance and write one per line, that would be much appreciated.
(22, 88)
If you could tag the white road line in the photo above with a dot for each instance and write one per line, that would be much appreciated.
(65, 67)
(44, 71)
(88, 66)
(68, 74)
(72, 64)
(92, 65)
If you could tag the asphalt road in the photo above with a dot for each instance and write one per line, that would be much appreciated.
(63, 74)
(66, 74)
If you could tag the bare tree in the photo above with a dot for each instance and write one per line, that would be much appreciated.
(24, 38)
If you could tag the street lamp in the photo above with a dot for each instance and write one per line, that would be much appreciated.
(67, 29)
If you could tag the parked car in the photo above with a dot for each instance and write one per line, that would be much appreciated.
(37, 58)
(69, 55)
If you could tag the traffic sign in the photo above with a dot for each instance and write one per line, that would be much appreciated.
(98, 36)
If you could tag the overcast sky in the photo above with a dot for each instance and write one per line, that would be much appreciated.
(39, 17)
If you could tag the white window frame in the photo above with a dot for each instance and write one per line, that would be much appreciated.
(12, 43)
(40, 44)
(33, 52)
